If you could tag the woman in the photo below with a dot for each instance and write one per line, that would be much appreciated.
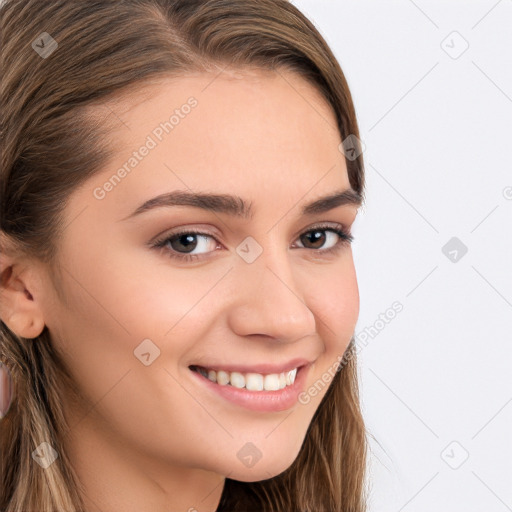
(179, 297)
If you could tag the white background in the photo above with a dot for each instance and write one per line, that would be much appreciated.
(436, 380)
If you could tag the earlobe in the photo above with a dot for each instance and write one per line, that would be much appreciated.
(25, 325)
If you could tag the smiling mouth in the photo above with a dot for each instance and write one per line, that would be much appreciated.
(250, 381)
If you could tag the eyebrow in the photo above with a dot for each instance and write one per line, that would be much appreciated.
(236, 206)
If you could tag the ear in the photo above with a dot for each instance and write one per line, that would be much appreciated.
(19, 308)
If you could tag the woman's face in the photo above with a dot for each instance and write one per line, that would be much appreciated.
(265, 292)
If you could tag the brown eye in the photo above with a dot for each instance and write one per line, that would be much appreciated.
(316, 238)
(183, 242)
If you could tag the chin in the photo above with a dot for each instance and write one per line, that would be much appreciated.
(261, 471)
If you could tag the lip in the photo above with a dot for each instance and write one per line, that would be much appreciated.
(264, 368)
(261, 401)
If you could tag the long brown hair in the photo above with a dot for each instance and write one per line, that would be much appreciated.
(51, 145)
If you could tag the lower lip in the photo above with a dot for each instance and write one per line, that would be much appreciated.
(262, 401)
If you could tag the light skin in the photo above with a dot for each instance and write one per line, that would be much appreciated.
(155, 440)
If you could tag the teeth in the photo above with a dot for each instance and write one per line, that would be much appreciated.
(291, 376)
(250, 381)
(254, 382)
(237, 379)
(271, 382)
(222, 377)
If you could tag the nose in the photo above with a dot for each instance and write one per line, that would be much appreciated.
(269, 300)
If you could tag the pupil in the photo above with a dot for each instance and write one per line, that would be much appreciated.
(189, 243)
(315, 237)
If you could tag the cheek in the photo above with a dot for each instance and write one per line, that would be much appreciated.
(336, 303)
(168, 305)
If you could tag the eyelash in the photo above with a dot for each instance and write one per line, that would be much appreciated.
(345, 239)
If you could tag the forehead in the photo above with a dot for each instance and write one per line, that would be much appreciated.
(255, 133)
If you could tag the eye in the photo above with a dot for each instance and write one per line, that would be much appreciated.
(180, 245)
(316, 236)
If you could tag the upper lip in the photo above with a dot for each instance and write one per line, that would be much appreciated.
(264, 368)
